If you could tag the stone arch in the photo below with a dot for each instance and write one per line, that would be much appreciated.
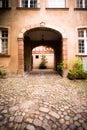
(42, 24)
(21, 42)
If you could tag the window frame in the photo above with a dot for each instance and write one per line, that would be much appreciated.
(84, 39)
(81, 6)
(29, 5)
(55, 7)
(5, 4)
(3, 40)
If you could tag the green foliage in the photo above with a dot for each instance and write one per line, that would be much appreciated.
(43, 62)
(77, 72)
(2, 73)
(60, 66)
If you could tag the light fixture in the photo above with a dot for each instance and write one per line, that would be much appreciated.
(42, 39)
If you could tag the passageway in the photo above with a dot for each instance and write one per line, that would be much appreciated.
(42, 36)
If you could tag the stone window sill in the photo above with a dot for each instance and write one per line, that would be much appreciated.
(24, 8)
(4, 55)
(80, 55)
(9, 8)
(80, 9)
(57, 8)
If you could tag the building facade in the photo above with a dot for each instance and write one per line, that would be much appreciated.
(26, 24)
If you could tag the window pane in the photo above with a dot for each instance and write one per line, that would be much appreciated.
(4, 3)
(81, 33)
(79, 3)
(85, 3)
(4, 45)
(56, 3)
(3, 40)
(24, 3)
(81, 46)
(0, 3)
(82, 42)
(4, 33)
(82, 3)
(29, 3)
(33, 3)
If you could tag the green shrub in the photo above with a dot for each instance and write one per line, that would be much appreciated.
(2, 73)
(60, 66)
(77, 72)
(43, 62)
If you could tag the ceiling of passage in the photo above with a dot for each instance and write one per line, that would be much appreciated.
(37, 34)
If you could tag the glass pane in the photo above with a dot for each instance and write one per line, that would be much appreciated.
(5, 3)
(56, 3)
(33, 3)
(85, 3)
(84, 59)
(81, 33)
(4, 33)
(4, 45)
(24, 3)
(79, 3)
(0, 4)
(81, 46)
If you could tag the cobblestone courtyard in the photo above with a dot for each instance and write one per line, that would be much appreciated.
(42, 101)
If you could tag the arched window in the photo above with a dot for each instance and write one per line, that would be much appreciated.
(3, 40)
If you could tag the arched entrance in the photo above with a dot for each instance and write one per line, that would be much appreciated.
(40, 36)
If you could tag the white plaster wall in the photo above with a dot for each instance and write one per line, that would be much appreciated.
(37, 61)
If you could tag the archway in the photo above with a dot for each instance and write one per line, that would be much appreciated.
(42, 36)
(55, 37)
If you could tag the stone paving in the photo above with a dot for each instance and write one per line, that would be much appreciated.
(43, 101)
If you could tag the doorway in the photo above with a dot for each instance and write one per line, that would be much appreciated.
(42, 36)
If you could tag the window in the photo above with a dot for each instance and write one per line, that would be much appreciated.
(84, 60)
(81, 3)
(4, 3)
(3, 40)
(56, 4)
(37, 56)
(28, 3)
(82, 41)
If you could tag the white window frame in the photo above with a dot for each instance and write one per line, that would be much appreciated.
(84, 60)
(0, 3)
(81, 3)
(84, 39)
(29, 4)
(56, 4)
(3, 41)
(4, 3)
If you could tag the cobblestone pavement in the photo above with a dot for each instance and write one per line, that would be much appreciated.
(43, 101)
